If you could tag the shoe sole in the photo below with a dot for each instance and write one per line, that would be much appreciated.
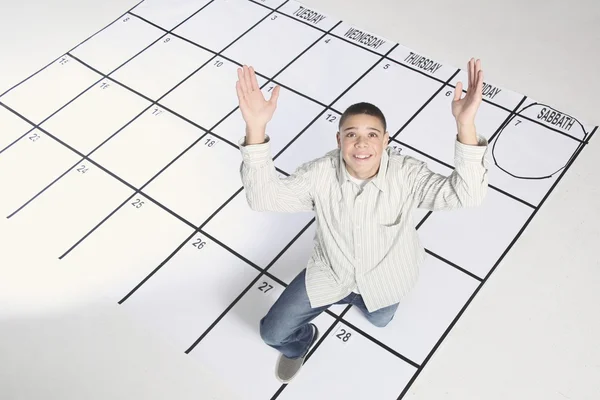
(314, 339)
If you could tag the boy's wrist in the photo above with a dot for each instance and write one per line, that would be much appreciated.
(255, 134)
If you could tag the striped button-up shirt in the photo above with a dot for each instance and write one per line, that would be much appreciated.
(365, 238)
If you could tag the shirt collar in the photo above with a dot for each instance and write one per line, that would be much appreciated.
(378, 180)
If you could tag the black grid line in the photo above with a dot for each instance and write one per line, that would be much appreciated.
(105, 76)
(512, 196)
(264, 271)
(17, 139)
(319, 343)
(489, 274)
(451, 264)
(447, 82)
(79, 44)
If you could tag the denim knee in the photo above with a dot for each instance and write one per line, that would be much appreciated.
(269, 332)
(381, 323)
(383, 319)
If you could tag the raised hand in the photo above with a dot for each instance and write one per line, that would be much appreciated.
(256, 110)
(464, 109)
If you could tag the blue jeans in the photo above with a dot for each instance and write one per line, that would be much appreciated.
(286, 326)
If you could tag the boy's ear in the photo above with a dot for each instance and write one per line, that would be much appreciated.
(337, 137)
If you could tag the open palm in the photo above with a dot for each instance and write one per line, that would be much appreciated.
(464, 109)
(256, 110)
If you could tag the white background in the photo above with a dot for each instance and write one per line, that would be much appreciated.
(531, 332)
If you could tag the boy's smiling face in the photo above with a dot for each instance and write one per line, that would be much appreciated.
(362, 139)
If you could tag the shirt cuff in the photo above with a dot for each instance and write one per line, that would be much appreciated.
(471, 152)
(255, 153)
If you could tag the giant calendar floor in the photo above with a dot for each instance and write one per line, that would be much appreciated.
(122, 153)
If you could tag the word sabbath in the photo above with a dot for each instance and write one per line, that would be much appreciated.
(424, 63)
(365, 38)
(555, 118)
(309, 15)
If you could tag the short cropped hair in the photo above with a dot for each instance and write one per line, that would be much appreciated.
(363, 108)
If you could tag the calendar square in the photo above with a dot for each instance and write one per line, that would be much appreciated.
(147, 145)
(257, 236)
(433, 130)
(118, 43)
(61, 82)
(199, 181)
(125, 248)
(168, 14)
(315, 142)
(528, 158)
(13, 128)
(285, 124)
(71, 207)
(425, 313)
(209, 95)
(190, 291)
(34, 161)
(475, 238)
(162, 66)
(398, 91)
(328, 69)
(221, 22)
(296, 257)
(95, 116)
(239, 333)
(265, 48)
(349, 365)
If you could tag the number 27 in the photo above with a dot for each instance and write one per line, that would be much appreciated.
(265, 287)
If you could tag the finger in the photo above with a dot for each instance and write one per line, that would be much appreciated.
(248, 77)
(469, 73)
(275, 95)
(253, 80)
(242, 80)
(473, 73)
(239, 91)
(480, 83)
(458, 91)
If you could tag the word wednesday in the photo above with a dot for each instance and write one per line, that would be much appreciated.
(424, 63)
(309, 15)
(365, 38)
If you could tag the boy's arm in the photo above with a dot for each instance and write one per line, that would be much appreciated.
(465, 187)
(265, 190)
